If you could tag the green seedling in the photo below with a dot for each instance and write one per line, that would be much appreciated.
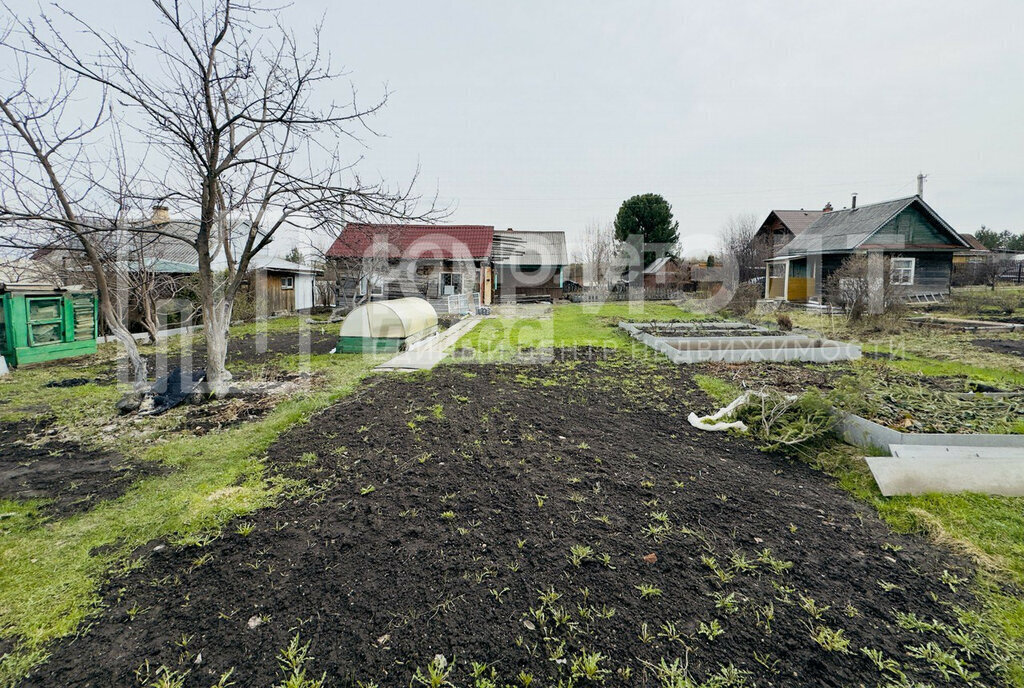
(647, 590)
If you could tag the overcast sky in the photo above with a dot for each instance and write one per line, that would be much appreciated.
(547, 115)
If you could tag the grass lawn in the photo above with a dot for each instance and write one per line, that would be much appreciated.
(567, 326)
(52, 568)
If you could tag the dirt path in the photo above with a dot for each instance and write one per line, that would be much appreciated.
(501, 514)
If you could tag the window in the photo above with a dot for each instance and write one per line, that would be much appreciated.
(902, 270)
(45, 321)
(451, 283)
(288, 282)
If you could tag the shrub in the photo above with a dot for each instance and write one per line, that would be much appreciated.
(853, 288)
(784, 322)
(744, 299)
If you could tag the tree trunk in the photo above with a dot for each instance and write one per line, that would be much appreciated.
(131, 347)
(149, 319)
(216, 321)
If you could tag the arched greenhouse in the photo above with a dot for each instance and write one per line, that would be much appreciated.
(387, 326)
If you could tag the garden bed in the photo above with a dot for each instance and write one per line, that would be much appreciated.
(60, 477)
(549, 523)
(722, 345)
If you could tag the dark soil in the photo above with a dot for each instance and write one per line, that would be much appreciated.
(262, 349)
(72, 478)
(440, 509)
(1003, 346)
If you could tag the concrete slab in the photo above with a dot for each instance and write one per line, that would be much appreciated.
(427, 353)
(947, 474)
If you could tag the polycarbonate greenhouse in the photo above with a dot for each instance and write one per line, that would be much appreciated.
(383, 326)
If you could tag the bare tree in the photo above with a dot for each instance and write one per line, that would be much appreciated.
(54, 192)
(739, 239)
(854, 287)
(233, 109)
(597, 253)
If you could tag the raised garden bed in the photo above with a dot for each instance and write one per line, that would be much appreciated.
(941, 462)
(740, 342)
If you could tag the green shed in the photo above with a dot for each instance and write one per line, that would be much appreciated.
(39, 323)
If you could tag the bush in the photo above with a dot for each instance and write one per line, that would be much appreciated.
(744, 299)
(784, 322)
(851, 288)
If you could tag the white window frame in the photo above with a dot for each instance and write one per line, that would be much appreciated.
(902, 270)
(287, 282)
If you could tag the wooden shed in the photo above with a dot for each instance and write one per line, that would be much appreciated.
(39, 323)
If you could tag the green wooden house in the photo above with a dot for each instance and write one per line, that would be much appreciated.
(916, 241)
(39, 323)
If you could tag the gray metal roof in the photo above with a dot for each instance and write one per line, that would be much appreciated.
(658, 263)
(844, 230)
(529, 248)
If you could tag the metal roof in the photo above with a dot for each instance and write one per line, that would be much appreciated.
(451, 242)
(842, 231)
(657, 265)
(262, 262)
(530, 248)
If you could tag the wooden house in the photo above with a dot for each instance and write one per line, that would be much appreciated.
(387, 261)
(782, 226)
(529, 266)
(287, 287)
(668, 273)
(917, 242)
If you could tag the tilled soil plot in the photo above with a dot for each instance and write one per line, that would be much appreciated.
(561, 524)
(71, 478)
(262, 349)
(1003, 346)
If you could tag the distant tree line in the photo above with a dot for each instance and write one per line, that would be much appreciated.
(1000, 241)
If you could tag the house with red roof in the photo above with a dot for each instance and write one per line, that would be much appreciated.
(384, 261)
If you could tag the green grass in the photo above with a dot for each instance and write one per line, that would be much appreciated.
(28, 397)
(938, 367)
(719, 390)
(50, 575)
(570, 325)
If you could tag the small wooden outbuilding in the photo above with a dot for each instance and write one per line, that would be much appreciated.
(40, 323)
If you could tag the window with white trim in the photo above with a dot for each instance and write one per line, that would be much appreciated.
(901, 270)
(288, 282)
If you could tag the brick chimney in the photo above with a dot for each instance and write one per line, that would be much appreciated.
(161, 215)
(827, 208)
